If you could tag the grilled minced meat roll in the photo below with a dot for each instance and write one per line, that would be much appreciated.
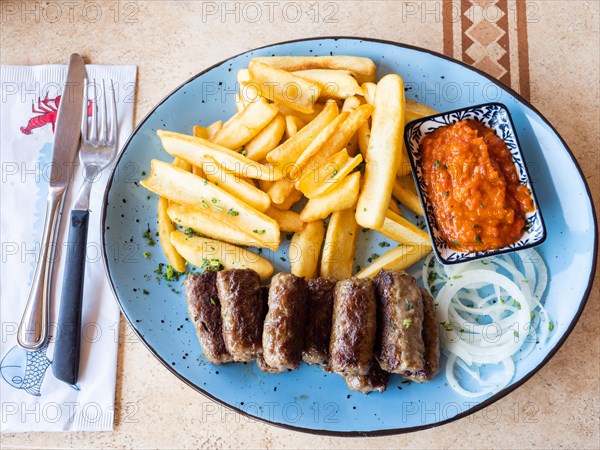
(354, 327)
(283, 332)
(400, 346)
(242, 312)
(204, 309)
(317, 330)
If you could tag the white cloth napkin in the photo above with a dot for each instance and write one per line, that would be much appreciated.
(32, 398)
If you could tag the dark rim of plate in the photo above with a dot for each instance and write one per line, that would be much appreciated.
(390, 431)
(472, 256)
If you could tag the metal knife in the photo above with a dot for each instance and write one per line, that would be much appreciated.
(33, 329)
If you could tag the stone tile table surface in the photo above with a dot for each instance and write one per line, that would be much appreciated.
(547, 50)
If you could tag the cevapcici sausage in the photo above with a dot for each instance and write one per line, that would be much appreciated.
(283, 332)
(400, 346)
(431, 339)
(376, 380)
(354, 327)
(204, 309)
(242, 312)
(318, 322)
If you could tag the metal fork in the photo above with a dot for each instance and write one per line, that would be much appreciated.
(98, 149)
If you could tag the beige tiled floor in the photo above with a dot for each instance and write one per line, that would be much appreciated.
(558, 407)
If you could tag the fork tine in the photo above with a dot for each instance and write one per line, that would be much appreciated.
(84, 114)
(103, 129)
(94, 130)
(114, 120)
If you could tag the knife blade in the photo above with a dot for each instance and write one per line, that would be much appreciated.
(68, 124)
(34, 326)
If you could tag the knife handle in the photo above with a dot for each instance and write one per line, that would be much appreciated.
(68, 337)
(33, 329)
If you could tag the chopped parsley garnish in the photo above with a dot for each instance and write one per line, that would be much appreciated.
(517, 305)
(550, 326)
(447, 326)
(145, 292)
(171, 274)
(212, 301)
(189, 232)
(455, 242)
(148, 236)
(516, 333)
(446, 193)
(478, 239)
(476, 226)
(437, 163)
(259, 231)
(204, 203)
(409, 306)
(335, 172)
(211, 264)
(243, 151)
(143, 173)
(373, 257)
(358, 268)
(406, 323)
(233, 212)
(531, 315)
(384, 244)
(159, 269)
(147, 255)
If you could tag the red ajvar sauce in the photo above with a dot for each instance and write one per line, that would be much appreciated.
(473, 185)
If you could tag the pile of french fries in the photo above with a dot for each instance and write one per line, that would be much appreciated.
(305, 128)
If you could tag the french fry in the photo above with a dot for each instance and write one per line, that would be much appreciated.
(312, 179)
(211, 225)
(182, 164)
(404, 168)
(319, 142)
(239, 104)
(245, 125)
(289, 151)
(340, 245)
(342, 136)
(306, 118)
(342, 197)
(350, 104)
(289, 201)
(234, 184)
(407, 197)
(398, 258)
(329, 177)
(394, 207)
(243, 76)
(280, 190)
(197, 171)
(287, 220)
(369, 92)
(384, 153)
(278, 85)
(292, 125)
(363, 68)
(336, 84)
(364, 135)
(214, 128)
(197, 151)
(202, 252)
(183, 187)
(268, 138)
(208, 132)
(408, 183)
(165, 226)
(305, 249)
(200, 132)
(416, 110)
(402, 231)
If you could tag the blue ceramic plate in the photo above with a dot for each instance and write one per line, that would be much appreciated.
(497, 117)
(308, 399)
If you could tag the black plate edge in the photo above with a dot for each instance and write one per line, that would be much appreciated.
(391, 431)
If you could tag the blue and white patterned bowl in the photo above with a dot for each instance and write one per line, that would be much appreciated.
(497, 117)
